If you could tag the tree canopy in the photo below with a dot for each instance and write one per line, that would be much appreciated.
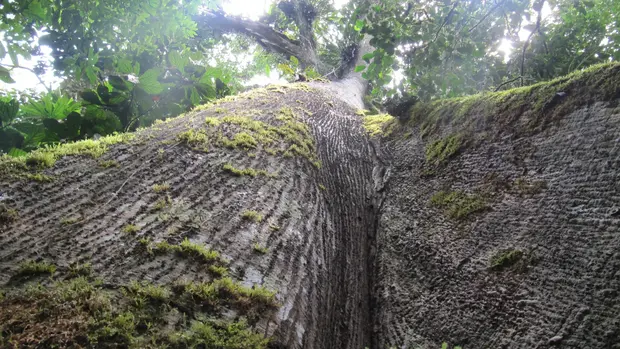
(125, 64)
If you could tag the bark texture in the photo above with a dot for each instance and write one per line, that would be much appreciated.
(550, 182)
(524, 254)
(317, 259)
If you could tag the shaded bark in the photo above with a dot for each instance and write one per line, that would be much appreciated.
(318, 258)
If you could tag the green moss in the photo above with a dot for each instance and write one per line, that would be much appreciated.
(236, 335)
(36, 268)
(160, 188)
(69, 220)
(41, 159)
(322, 187)
(596, 83)
(148, 291)
(195, 139)
(247, 171)
(241, 140)
(39, 177)
(258, 248)
(77, 269)
(7, 214)
(47, 156)
(163, 203)
(252, 216)
(442, 149)
(188, 249)
(274, 227)
(505, 258)
(130, 229)
(108, 164)
(379, 125)
(457, 204)
(226, 290)
(218, 270)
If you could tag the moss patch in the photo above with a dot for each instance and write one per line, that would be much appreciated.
(130, 229)
(505, 259)
(260, 249)
(160, 188)
(443, 149)
(252, 216)
(35, 268)
(247, 171)
(504, 109)
(7, 214)
(108, 164)
(379, 125)
(186, 248)
(79, 312)
(457, 204)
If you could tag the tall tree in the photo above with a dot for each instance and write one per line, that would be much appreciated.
(289, 216)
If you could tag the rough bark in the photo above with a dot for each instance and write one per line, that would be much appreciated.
(317, 260)
(546, 169)
(548, 172)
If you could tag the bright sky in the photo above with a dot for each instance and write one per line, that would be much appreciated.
(252, 9)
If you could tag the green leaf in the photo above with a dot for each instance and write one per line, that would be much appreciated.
(149, 83)
(2, 51)
(17, 153)
(359, 25)
(90, 74)
(37, 10)
(124, 66)
(8, 110)
(360, 68)
(294, 61)
(194, 96)
(177, 60)
(5, 76)
(367, 57)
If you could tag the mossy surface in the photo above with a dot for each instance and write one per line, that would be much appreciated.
(186, 248)
(130, 229)
(80, 312)
(505, 259)
(36, 268)
(108, 164)
(442, 149)
(457, 204)
(161, 187)
(379, 125)
(285, 133)
(251, 172)
(46, 157)
(252, 216)
(596, 83)
(260, 249)
(7, 214)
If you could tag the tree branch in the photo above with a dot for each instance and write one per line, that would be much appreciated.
(507, 82)
(486, 15)
(48, 88)
(264, 35)
(529, 37)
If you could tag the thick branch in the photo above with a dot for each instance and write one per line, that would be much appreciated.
(264, 35)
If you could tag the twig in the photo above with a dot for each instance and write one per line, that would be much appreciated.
(508, 82)
(49, 89)
(529, 37)
(445, 21)
(486, 15)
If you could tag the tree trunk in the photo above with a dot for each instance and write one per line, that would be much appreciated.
(318, 225)
(499, 226)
